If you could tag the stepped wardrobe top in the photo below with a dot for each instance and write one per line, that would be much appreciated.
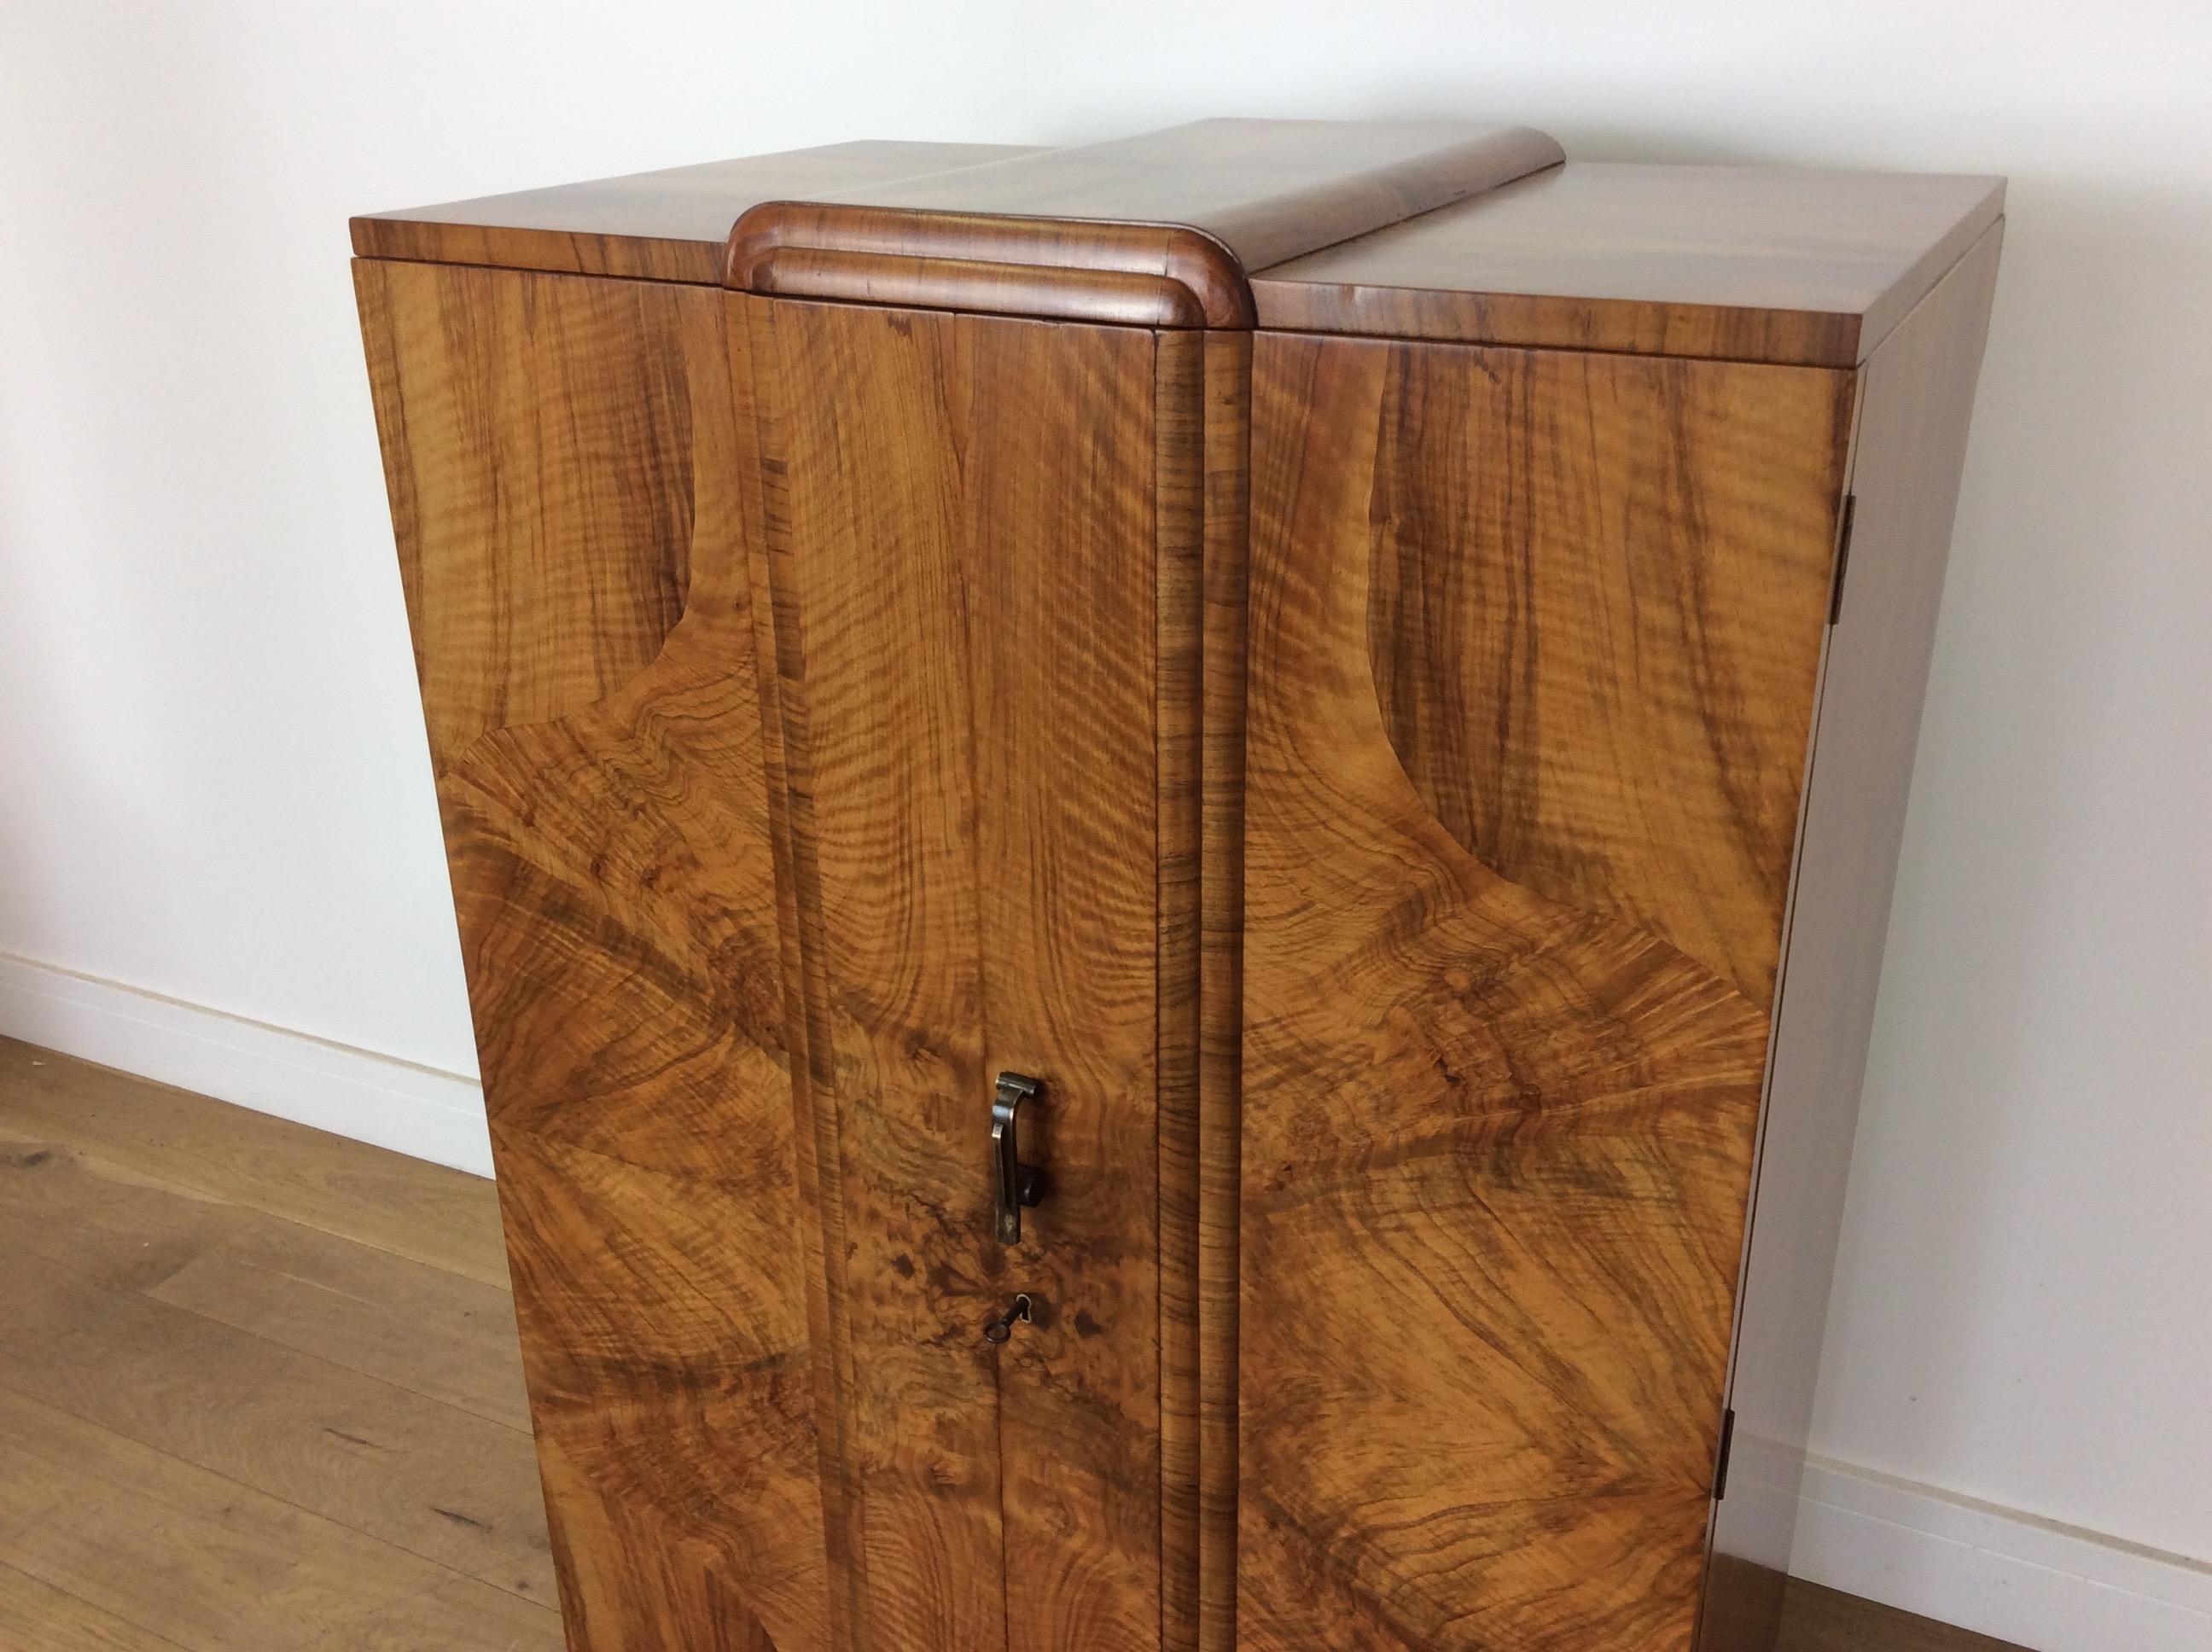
(1441, 230)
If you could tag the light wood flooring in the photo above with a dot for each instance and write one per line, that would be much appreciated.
(259, 1393)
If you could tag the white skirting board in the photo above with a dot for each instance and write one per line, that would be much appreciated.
(417, 1110)
(2044, 1586)
(2035, 1582)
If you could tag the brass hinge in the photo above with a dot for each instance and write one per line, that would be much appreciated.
(1728, 1443)
(1842, 557)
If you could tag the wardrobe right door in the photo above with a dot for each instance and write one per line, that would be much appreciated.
(1536, 638)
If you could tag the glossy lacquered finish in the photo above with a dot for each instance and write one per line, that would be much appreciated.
(1191, 210)
(1133, 832)
(670, 225)
(1741, 263)
(1543, 692)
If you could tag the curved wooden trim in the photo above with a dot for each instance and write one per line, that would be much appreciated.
(1197, 206)
(1121, 297)
(880, 245)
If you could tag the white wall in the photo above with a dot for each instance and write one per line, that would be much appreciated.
(213, 784)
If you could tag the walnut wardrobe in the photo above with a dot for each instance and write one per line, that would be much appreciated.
(1158, 847)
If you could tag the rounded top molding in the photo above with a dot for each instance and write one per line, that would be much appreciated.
(1163, 229)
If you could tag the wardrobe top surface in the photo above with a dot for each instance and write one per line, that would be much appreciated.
(1266, 190)
(1760, 263)
(670, 225)
(1444, 231)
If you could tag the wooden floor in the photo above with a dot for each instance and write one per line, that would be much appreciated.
(259, 1393)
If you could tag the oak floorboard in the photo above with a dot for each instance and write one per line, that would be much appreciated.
(385, 1200)
(210, 1566)
(112, 1545)
(1817, 1619)
(436, 1333)
(420, 1475)
(37, 1616)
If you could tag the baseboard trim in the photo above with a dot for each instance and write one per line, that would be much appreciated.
(421, 1111)
(1998, 1571)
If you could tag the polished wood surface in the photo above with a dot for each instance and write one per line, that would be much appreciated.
(1194, 207)
(254, 1392)
(1181, 409)
(669, 225)
(1220, 1144)
(1118, 273)
(1500, 1094)
(1915, 400)
(1363, 777)
(1741, 263)
(1512, 576)
(1816, 1620)
(604, 797)
(1128, 298)
(545, 559)
(968, 669)
(1265, 189)
(1442, 230)
(116, 1546)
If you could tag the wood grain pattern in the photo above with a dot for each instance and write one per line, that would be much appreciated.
(39, 1616)
(669, 225)
(817, 1131)
(1914, 409)
(1496, 1144)
(293, 1427)
(538, 461)
(1187, 211)
(1595, 635)
(1263, 190)
(1816, 1620)
(1179, 414)
(966, 636)
(138, 1132)
(1738, 263)
(849, 686)
(1221, 978)
(608, 835)
(1202, 415)
(311, 1291)
(991, 263)
(1170, 297)
(177, 1558)
(212, 1566)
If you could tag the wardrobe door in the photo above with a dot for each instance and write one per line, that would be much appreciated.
(979, 553)
(1535, 644)
(565, 460)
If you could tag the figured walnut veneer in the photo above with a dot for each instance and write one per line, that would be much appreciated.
(1529, 718)
(1310, 641)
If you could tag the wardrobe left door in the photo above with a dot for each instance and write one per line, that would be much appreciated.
(983, 539)
(570, 488)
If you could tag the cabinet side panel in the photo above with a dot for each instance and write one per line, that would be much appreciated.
(1498, 1118)
(1917, 396)
(604, 794)
(961, 518)
(539, 468)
